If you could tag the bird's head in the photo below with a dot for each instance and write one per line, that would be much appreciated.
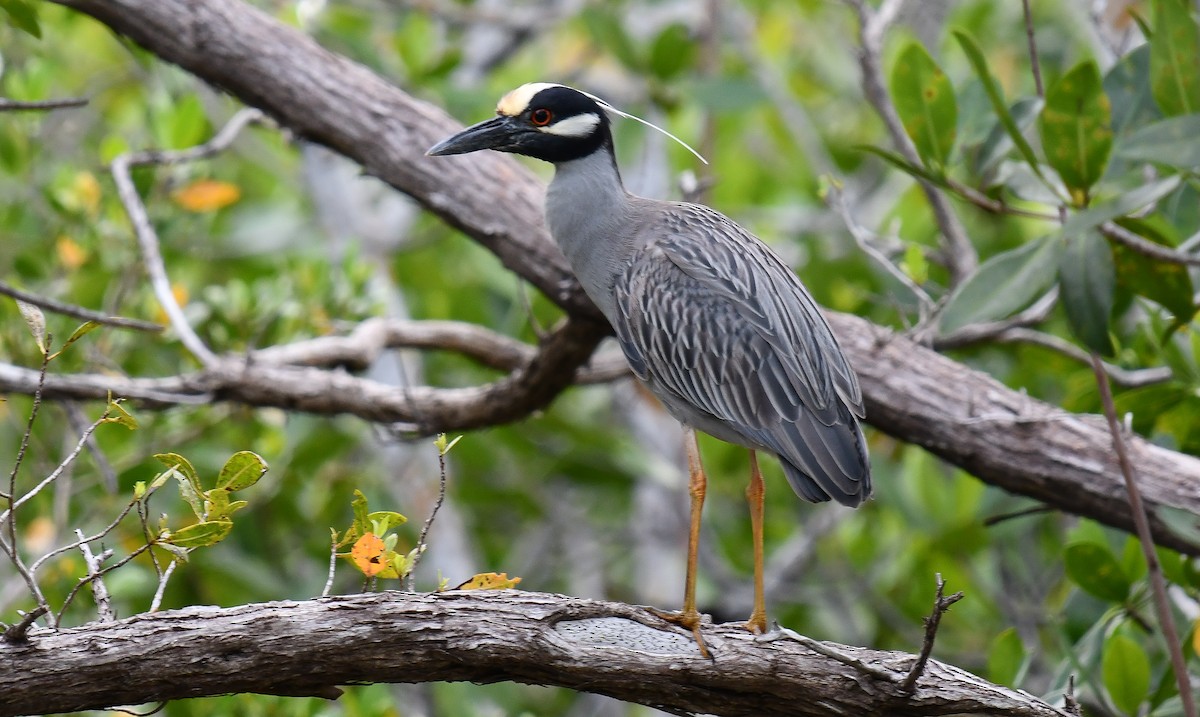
(550, 122)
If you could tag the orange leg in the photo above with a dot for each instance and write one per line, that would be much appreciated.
(689, 616)
(755, 494)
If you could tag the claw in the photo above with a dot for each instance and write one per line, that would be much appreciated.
(688, 620)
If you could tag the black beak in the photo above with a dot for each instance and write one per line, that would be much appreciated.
(497, 133)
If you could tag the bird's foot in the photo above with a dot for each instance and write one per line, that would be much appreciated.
(757, 623)
(688, 619)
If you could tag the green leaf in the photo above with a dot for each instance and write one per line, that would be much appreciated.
(924, 99)
(189, 124)
(1165, 283)
(1174, 49)
(242, 470)
(36, 321)
(118, 414)
(200, 535)
(23, 16)
(385, 520)
(1171, 142)
(218, 505)
(1126, 672)
(1127, 85)
(1088, 281)
(608, 32)
(1003, 284)
(362, 520)
(1076, 129)
(999, 141)
(182, 466)
(1183, 523)
(1095, 569)
(904, 165)
(980, 65)
(1005, 658)
(672, 52)
(83, 330)
(1126, 203)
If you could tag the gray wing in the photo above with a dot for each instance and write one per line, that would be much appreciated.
(712, 319)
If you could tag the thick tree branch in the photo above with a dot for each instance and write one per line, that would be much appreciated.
(421, 409)
(967, 418)
(308, 648)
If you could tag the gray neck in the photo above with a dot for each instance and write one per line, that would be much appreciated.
(590, 215)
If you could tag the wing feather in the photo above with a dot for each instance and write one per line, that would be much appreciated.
(723, 331)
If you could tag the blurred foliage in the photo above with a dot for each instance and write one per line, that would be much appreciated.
(255, 263)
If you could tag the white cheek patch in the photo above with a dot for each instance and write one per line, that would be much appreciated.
(515, 102)
(577, 126)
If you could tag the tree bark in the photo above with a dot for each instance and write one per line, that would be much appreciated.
(1005, 438)
(308, 648)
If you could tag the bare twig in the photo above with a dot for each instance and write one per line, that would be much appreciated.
(1123, 377)
(8, 531)
(1034, 64)
(17, 632)
(78, 312)
(148, 239)
(1069, 702)
(941, 604)
(332, 565)
(58, 471)
(831, 651)
(7, 105)
(836, 199)
(442, 448)
(99, 590)
(162, 584)
(1158, 585)
(95, 576)
(961, 257)
(1145, 247)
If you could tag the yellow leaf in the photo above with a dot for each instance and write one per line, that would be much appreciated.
(207, 195)
(86, 189)
(368, 555)
(1196, 637)
(489, 581)
(70, 254)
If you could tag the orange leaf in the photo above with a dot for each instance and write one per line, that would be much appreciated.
(489, 581)
(368, 554)
(70, 253)
(207, 195)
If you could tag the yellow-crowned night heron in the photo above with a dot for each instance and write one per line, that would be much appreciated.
(710, 319)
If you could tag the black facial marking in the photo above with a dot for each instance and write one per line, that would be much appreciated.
(563, 103)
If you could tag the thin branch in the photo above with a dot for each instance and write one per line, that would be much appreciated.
(144, 230)
(78, 312)
(1123, 377)
(333, 546)
(1034, 64)
(162, 584)
(1158, 586)
(18, 633)
(7, 105)
(835, 198)
(1145, 247)
(62, 466)
(94, 562)
(442, 448)
(8, 530)
(961, 257)
(941, 603)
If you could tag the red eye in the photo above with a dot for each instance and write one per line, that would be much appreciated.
(541, 117)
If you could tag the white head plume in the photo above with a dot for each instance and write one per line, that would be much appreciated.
(649, 124)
